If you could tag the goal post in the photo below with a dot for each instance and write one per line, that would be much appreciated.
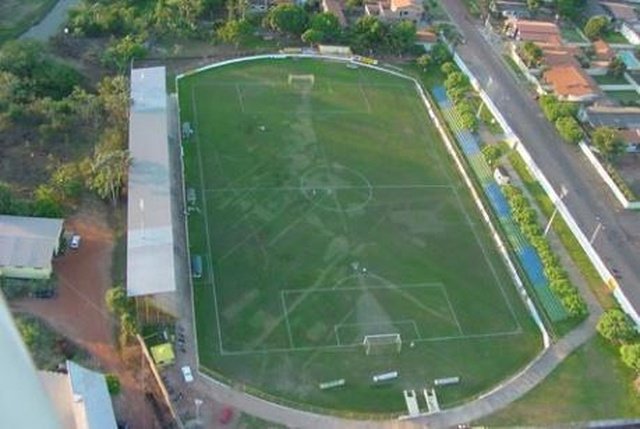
(382, 343)
(303, 79)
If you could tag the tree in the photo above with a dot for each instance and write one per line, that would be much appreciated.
(113, 384)
(47, 202)
(569, 129)
(402, 37)
(554, 108)
(448, 68)
(617, 67)
(113, 96)
(533, 5)
(440, 53)
(424, 61)
(608, 142)
(569, 8)
(596, 26)
(234, 31)
(121, 51)
(123, 308)
(327, 25)
(531, 53)
(312, 36)
(630, 354)
(615, 326)
(369, 32)
(109, 172)
(287, 18)
(491, 153)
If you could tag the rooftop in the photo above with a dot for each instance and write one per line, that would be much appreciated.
(335, 7)
(570, 81)
(621, 11)
(536, 31)
(613, 116)
(28, 241)
(150, 254)
(603, 50)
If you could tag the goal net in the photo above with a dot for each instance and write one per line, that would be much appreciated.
(382, 343)
(302, 81)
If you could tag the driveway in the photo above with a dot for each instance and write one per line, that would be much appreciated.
(79, 311)
(51, 23)
(588, 200)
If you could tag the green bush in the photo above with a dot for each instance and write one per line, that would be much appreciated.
(559, 283)
(113, 384)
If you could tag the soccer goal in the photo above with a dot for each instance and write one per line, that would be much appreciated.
(382, 343)
(302, 81)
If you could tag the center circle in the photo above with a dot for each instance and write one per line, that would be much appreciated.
(336, 188)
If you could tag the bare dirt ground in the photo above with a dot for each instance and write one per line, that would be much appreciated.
(79, 312)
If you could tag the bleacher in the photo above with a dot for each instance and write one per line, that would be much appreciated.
(529, 258)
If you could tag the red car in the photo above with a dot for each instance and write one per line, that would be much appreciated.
(226, 415)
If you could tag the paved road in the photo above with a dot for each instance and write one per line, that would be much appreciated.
(51, 23)
(588, 199)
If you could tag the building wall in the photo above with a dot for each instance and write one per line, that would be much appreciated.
(26, 272)
(630, 34)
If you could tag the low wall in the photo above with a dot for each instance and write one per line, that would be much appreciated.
(604, 174)
(594, 257)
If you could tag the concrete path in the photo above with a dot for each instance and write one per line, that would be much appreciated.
(51, 23)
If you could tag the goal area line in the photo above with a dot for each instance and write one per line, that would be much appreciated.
(351, 347)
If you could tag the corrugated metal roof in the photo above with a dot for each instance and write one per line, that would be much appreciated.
(91, 399)
(28, 241)
(150, 255)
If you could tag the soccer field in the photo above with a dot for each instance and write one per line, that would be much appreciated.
(328, 210)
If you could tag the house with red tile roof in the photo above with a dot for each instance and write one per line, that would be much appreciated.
(571, 83)
(396, 10)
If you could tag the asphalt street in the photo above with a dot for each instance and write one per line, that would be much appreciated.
(588, 199)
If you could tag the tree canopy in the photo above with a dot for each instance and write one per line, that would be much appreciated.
(615, 326)
(608, 141)
(596, 26)
(287, 18)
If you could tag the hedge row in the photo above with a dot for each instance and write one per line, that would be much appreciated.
(525, 216)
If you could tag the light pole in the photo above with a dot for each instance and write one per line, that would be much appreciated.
(563, 193)
(198, 402)
(595, 231)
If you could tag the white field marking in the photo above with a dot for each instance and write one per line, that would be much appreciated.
(338, 187)
(347, 348)
(240, 98)
(410, 322)
(346, 316)
(475, 234)
(206, 222)
(366, 99)
(453, 312)
(290, 226)
(247, 238)
(286, 319)
(335, 289)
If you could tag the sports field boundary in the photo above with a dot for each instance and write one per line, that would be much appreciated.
(521, 291)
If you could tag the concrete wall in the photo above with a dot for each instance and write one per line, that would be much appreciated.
(26, 273)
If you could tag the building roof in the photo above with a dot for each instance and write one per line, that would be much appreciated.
(91, 399)
(620, 11)
(553, 55)
(335, 7)
(603, 51)
(570, 81)
(426, 36)
(23, 403)
(150, 254)
(28, 241)
(613, 116)
(400, 4)
(536, 31)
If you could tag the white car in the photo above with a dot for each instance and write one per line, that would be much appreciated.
(75, 241)
(186, 373)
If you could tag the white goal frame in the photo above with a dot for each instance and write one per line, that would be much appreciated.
(303, 78)
(370, 341)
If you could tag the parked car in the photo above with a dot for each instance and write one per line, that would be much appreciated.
(45, 293)
(75, 241)
(186, 373)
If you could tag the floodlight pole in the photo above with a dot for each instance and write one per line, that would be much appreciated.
(198, 402)
(563, 193)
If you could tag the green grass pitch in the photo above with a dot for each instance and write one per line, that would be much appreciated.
(330, 210)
